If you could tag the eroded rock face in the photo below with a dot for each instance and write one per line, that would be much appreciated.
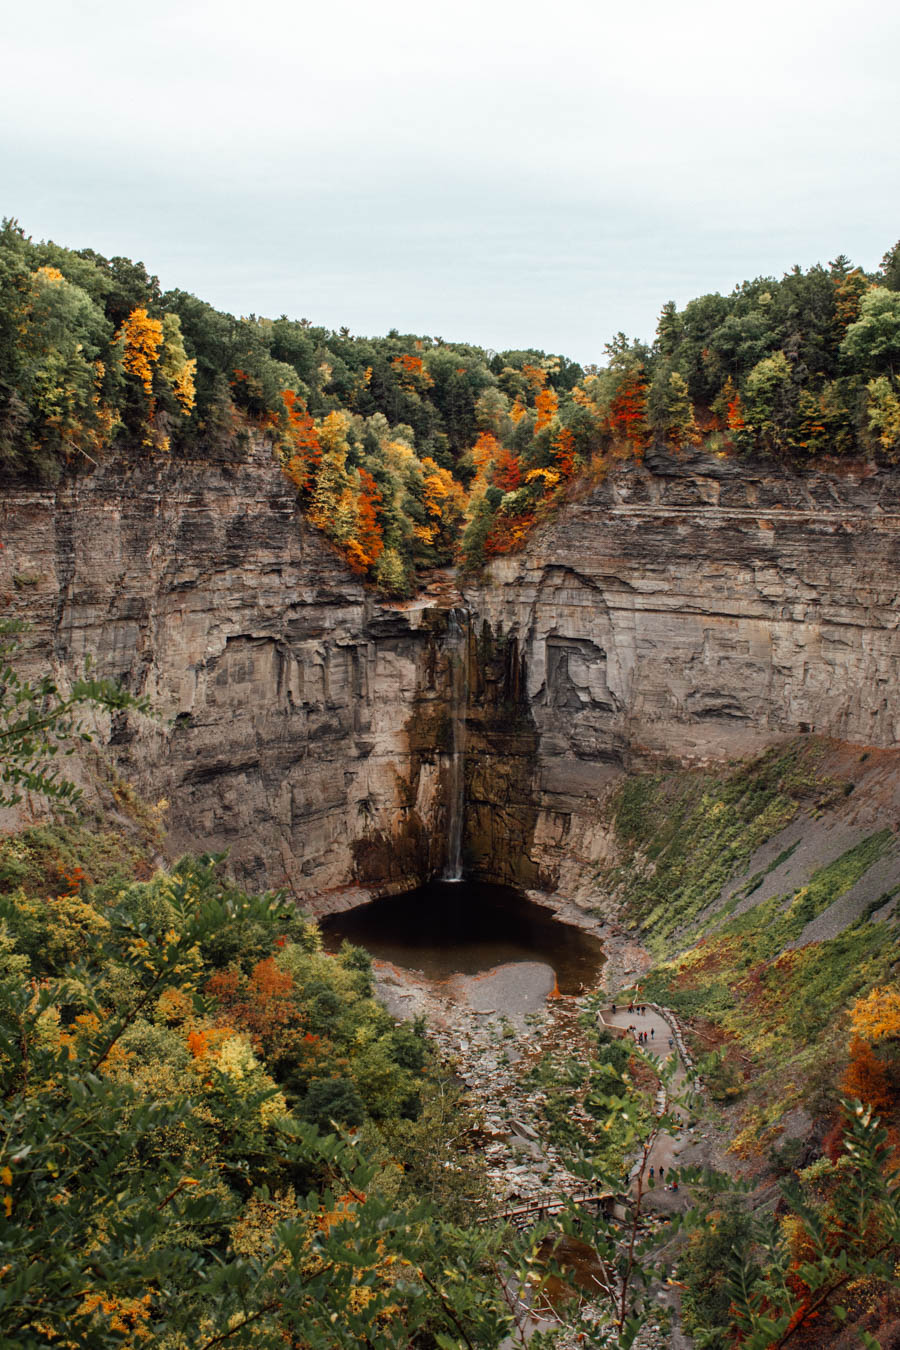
(695, 609)
(690, 608)
(302, 724)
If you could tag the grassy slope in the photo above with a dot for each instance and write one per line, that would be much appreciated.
(765, 893)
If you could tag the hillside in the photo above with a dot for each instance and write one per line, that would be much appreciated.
(633, 626)
(406, 448)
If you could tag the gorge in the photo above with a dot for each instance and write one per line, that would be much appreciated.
(671, 719)
(688, 610)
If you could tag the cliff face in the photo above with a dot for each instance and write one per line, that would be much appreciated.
(691, 608)
(695, 609)
(301, 725)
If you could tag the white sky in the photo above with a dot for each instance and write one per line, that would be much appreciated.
(508, 174)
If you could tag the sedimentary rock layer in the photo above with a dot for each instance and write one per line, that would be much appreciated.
(689, 608)
(301, 724)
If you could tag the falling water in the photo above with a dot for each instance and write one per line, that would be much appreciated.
(457, 642)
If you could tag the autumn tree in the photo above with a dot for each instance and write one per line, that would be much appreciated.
(546, 404)
(142, 339)
(628, 409)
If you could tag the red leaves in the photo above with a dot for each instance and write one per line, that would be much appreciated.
(507, 475)
(867, 1078)
(628, 410)
(303, 438)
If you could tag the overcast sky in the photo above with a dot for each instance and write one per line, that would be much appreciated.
(505, 173)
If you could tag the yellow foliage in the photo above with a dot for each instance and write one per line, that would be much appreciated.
(550, 476)
(52, 274)
(174, 1005)
(333, 433)
(517, 411)
(143, 340)
(185, 390)
(125, 1315)
(877, 1016)
(237, 1060)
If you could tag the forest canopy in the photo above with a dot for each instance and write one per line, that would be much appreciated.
(410, 452)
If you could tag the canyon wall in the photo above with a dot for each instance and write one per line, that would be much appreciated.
(300, 724)
(689, 608)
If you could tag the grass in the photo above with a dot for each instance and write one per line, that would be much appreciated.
(687, 834)
(774, 1010)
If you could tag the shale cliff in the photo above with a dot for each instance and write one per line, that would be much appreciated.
(300, 724)
(691, 609)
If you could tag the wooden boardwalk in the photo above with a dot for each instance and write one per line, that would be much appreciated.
(525, 1216)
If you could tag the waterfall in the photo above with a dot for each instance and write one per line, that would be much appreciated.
(457, 644)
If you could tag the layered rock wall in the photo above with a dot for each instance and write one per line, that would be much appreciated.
(688, 608)
(694, 609)
(301, 725)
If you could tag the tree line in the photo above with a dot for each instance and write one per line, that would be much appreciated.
(410, 452)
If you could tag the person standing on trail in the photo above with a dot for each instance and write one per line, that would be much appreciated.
(662, 1171)
(651, 1174)
(652, 1033)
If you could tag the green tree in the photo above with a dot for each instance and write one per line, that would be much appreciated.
(767, 400)
(872, 344)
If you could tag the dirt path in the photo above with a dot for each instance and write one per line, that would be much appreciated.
(662, 1043)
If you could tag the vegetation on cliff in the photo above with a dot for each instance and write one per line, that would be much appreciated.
(168, 1047)
(210, 1132)
(409, 452)
(789, 1020)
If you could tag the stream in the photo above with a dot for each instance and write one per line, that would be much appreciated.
(501, 982)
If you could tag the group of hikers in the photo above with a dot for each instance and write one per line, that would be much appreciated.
(645, 1038)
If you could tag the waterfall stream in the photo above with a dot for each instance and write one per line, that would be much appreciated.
(457, 644)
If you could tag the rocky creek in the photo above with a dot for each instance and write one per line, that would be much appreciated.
(501, 982)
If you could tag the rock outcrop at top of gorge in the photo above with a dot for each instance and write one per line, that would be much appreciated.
(690, 608)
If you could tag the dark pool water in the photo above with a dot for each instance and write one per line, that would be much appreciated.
(464, 928)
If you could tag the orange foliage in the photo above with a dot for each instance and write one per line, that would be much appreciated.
(507, 474)
(369, 538)
(411, 370)
(265, 1008)
(508, 534)
(867, 1078)
(536, 377)
(143, 339)
(564, 448)
(303, 439)
(484, 450)
(208, 1040)
(517, 411)
(628, 410)
(726, 410)
(546, 404)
